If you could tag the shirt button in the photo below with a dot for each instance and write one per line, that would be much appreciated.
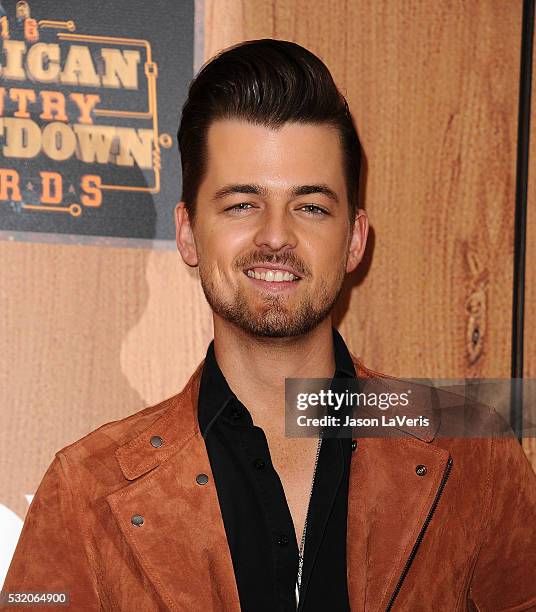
(201, 479)
(282, 540)
(354, 444)
(157, 441)
(137, 520)
(235, 414)
(259, 464)
(420, 470)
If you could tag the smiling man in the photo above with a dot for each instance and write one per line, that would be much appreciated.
(202, 503)
(269, 215)
(273, 235)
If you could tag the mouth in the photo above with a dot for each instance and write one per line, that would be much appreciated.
(274, 279)
(272, 275)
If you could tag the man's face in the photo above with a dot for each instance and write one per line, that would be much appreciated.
(273, 202)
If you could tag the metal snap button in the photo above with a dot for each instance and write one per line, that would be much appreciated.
(137, 520)
(157, 441)
(201, 479)
(420, 470)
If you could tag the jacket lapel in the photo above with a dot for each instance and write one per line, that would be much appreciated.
(389, 502)
(181, 544)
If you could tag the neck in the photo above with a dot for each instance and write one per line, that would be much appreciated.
(256, 367)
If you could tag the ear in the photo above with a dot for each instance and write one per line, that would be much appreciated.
(358, 240)
(184, 235)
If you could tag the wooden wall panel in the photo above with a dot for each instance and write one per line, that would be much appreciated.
(440, 135)
(92, 334)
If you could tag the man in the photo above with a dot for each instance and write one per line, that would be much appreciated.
(201, 502)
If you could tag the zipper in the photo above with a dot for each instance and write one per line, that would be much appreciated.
(420, 537)
(302, 543)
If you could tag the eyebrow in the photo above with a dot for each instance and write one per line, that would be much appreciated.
(295, 191)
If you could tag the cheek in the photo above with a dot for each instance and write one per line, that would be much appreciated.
(331, 256)
(219, 252)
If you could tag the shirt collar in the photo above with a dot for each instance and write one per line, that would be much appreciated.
(215, 395)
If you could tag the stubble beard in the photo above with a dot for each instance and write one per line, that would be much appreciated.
(274, 319)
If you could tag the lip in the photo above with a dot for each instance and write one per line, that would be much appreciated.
(275, 268)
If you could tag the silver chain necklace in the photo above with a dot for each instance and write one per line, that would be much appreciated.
(302, 543)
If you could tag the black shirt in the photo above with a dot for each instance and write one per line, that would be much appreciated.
(255, 513)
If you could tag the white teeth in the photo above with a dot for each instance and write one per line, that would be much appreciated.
(277, 276)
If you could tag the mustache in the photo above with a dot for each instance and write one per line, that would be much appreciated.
(258, 259)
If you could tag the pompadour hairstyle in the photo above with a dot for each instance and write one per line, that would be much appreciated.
(266, 82)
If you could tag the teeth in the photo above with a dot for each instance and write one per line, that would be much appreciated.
(277, 276)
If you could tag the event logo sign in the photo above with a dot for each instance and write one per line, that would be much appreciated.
(90, 98)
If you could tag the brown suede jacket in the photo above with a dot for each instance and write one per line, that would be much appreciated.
(434, 523)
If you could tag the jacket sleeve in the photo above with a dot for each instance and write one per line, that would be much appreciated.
(504, 577)
(50, 555)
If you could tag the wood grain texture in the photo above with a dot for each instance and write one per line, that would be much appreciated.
(91, 334)
(440, 142)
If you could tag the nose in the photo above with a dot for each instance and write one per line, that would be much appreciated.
(275, 231)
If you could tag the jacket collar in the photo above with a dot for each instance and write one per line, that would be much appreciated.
(176, 426)
(178, 422)
(424, 401)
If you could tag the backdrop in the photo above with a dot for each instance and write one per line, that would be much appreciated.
(99, 316)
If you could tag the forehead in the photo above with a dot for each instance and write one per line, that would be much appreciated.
(298, 153)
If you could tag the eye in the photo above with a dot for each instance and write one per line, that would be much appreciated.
(317, 211)
(237, 207)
